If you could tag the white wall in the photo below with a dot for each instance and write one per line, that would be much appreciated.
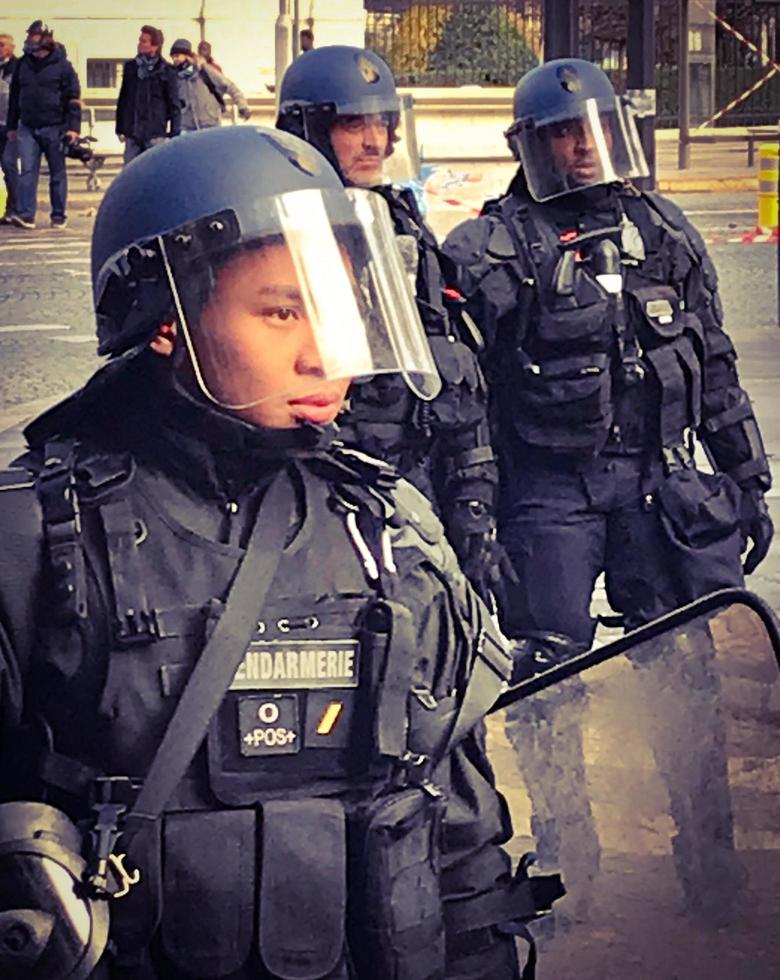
(241, 31)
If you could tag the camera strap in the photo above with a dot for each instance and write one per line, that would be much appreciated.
(218, 662)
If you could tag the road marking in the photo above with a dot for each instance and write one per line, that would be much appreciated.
(77, 339)
(48, 244)
(74, 258)
(32, 327)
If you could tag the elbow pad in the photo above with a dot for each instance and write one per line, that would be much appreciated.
(732, 428)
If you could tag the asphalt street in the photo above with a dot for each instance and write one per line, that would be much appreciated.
(47, 340)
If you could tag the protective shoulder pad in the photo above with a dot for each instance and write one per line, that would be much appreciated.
(675, 218)
(414, 524)
(467, 243)
(668, 210)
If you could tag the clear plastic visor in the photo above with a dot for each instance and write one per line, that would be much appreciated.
(597, 145)
(403, 164)
(376, 147)
(310, 294)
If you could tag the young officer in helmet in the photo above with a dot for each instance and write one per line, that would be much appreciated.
(343, 100)
(608, 362)
(240, 669)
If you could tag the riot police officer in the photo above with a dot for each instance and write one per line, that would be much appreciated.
(343, 100)
(240, 669)
(607, 363)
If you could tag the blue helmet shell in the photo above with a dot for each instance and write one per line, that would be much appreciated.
(355, 81)
(195, 175)
(557, 89)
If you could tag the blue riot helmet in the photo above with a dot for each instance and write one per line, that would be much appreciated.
(338, 85)
(571, 131)
(324, 259)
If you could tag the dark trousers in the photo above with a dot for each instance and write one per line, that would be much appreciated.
(33, 144)
(9, 161)
(134, 147)
(562, 527)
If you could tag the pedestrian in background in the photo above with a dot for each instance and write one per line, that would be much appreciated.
(202, 89)
(204, 51)
(148, 109)
(44, 113)
(9, 151)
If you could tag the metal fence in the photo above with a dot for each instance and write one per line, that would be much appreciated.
(492, 42)
(739, 67)
(456, 42)
(717, 78)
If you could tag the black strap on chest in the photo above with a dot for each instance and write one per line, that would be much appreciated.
(67, 481)
(408, 221)
(60, 507)
(219, 660)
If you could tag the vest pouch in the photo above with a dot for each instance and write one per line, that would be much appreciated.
(303, 889)
(699, 514)
(660, 315)
(567, 403)
(580, 325)
(271, 733)
(396, 917)
(208, 890)
(455, 405)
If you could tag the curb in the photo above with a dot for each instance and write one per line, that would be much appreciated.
(683, 185)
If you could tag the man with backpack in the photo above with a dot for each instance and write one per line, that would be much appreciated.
(202, 90)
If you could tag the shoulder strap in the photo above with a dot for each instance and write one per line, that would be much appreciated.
(207, 81)
(219, 660)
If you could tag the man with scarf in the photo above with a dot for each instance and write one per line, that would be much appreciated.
(148, 109)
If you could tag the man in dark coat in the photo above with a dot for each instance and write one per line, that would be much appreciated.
(148, 109)
(44, 113)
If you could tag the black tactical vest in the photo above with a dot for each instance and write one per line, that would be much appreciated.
(584, 369)
(313, 800)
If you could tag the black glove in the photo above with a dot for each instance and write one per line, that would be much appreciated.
(486, 565)
(756, 526)
(536, 652)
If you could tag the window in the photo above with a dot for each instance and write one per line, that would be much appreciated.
(104, 72)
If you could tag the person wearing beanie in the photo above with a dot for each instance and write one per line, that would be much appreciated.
(202, 89)
(148, 109)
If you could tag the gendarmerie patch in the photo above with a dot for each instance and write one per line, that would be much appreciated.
(298, 665)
